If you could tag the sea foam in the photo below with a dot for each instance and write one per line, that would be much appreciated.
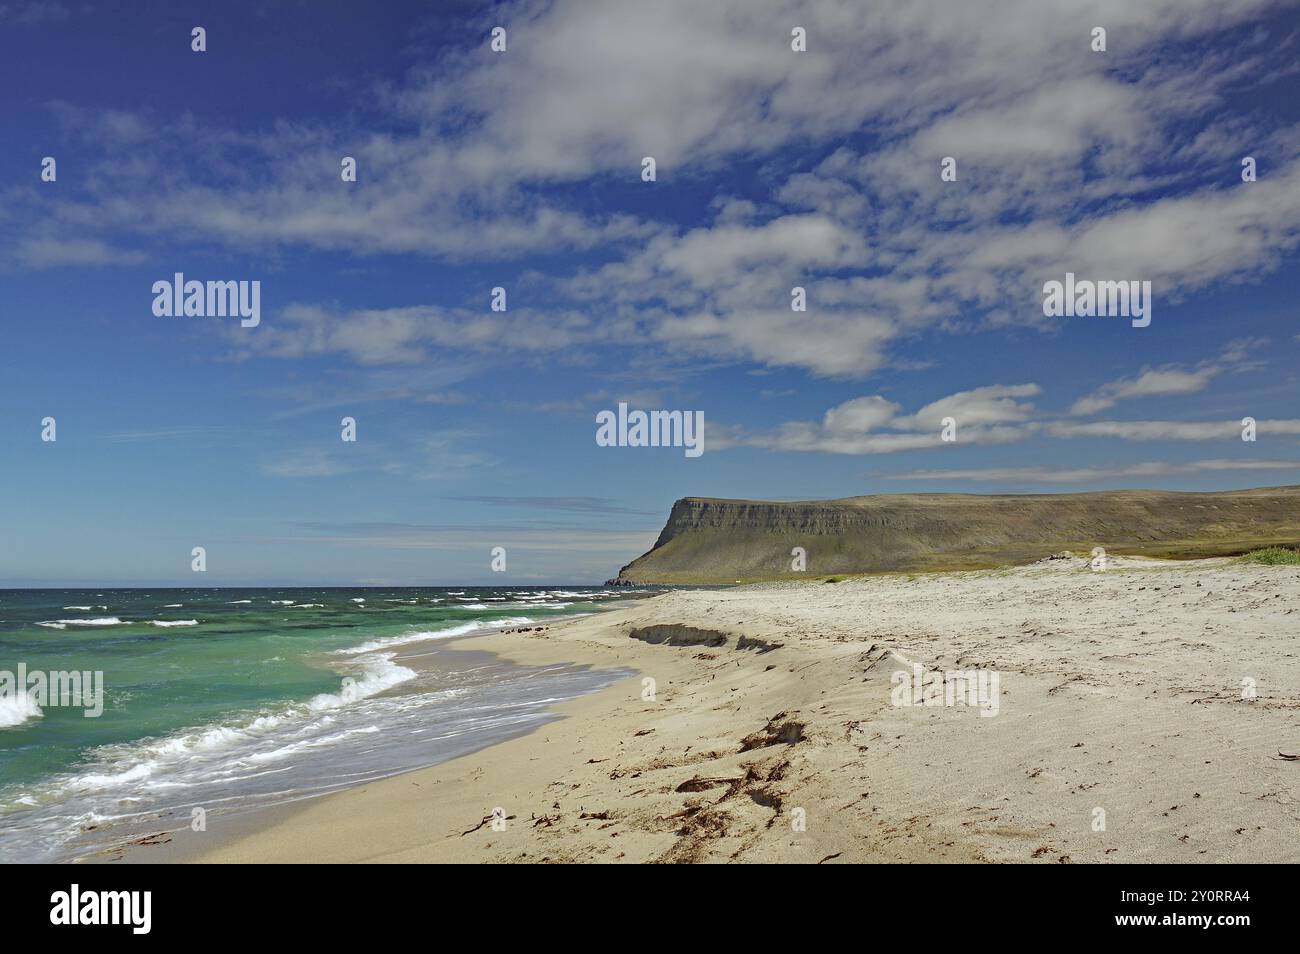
(65, 623)
(461, 630)
(17, 709)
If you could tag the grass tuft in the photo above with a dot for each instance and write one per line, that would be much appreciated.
(1274, 556)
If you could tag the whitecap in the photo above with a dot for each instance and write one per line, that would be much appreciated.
(17, 709)
(379, 673)
(460, 630)
(65, 623)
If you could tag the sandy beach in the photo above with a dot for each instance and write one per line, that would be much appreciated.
(1144, 714)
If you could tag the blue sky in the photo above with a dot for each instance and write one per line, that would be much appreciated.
(521, 169)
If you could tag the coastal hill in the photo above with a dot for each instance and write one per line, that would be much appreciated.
(710, 540)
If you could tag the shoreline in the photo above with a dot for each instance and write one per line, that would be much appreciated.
(446, 654)
(1122, 731)
(442, 813)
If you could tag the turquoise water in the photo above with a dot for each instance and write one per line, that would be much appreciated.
(231, 699)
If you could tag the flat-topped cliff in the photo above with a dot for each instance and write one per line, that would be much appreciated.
(710, 540)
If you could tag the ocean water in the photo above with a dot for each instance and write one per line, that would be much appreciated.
(227, 699)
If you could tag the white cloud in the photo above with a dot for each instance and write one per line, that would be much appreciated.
(311, 462)
(37, 253)
(995, 414)
(873, 425)
(475, 538)
(845, 345)
(408, 335)
(995, 404)
(1058, 165)
(707, 257)
(1168, 430)
(1170, 379)
(1083, 475)
(1151, 382)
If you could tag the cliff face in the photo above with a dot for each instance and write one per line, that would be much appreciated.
(709, 540)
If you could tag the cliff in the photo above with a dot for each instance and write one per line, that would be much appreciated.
(708, 540)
